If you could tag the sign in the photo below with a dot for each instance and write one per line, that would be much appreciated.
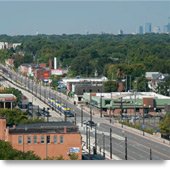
(46, 74)
(9, 99)
(143, 126)
(74, 150)
(58, 72)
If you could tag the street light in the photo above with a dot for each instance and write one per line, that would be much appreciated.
(143, 127)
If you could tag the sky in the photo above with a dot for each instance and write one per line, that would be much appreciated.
(78, 17)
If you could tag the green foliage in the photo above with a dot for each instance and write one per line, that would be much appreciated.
(163, 87)
(8, 153)
(17, 116)
(110, 86)
(54, 79)
(126, 55)
(74, 156)
(55, 158)
(164, 124)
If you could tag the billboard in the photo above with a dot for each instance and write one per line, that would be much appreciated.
(45, 74)
(58, 72)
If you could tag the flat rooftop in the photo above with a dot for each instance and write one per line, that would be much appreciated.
(45, 127)
(131, 95)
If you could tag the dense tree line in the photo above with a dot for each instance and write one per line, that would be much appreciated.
(110, 55)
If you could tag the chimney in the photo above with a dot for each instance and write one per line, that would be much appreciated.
(50, 63)
(55, 63)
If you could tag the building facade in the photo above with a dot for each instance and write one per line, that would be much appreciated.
(128, 102)
(7, 101)
(45, 139)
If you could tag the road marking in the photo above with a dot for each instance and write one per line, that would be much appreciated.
(152, 149)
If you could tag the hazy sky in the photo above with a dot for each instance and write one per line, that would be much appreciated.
(22, 18)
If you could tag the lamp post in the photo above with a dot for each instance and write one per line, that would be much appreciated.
(81, 115)
(143, 127)
(154, 117)
(101, 105)
(149, 116)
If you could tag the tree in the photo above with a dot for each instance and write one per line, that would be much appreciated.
(164, 125)
(54, 79)
(110, 86)
(8, 153)
(140, 84)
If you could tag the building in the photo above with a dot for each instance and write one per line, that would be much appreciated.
(3, 45)
(7, 101)
(45, 139)
(140, 30)
(155, 78)
(128, 102)
(120, 32)
(166, 29)
(6, 45)
(148, 28)
(157, 30)
(78, 86)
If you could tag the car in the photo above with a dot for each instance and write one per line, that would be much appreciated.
(29, 103)
(89, 123)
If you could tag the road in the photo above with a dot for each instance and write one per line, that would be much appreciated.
(138, 147)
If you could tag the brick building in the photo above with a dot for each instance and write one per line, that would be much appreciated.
(129, 102)
(46, 139)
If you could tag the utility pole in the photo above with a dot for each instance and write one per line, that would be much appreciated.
(40, 91)
(89, 143)
(130, 82)
(75, 119)
(101, 105)
(110, 116)
(90, 117)
(121, 106)
(126, 83)
(150, 154)
(110, 143)
(135, 108)
(143, 127)
(96, 138)
(86, 137)
(81, 115)
(125, 148)
(103, 145)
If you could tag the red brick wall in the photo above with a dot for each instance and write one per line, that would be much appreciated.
(52, 150)
(2, 128)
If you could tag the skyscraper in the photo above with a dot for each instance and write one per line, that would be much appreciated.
(120, 32)
(148, 28)
(140, 29)
(157, 30)
(166, 29)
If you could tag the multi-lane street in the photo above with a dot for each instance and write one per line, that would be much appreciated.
(138, 146)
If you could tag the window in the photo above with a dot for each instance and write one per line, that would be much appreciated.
(28, 139)
(61, 139)
(98, 90)
(137, 109)
(48, 139)
(84, 90)
(42, 139)
(35, 139)
(90, 90)
(107, 102)
(55, 139)
(20, 139)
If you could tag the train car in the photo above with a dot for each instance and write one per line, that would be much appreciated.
(51, 100)
(66, 111)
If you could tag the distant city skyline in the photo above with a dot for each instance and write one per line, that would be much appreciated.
(30, 18)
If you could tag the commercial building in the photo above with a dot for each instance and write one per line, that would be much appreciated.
(120, 32)
(7, 101)
(79, 86)
(45, 139)
(140, 30)
(148, 28)
(157, 30)
(128, 102)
